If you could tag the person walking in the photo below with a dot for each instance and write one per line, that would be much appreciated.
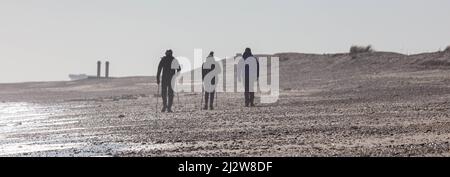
(248, 68)
(169, 66)
(210, 70)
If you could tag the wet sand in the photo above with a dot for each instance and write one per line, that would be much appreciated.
(331, 105)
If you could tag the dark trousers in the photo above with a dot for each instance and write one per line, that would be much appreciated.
(167, 95)
(249, 94)
(249, 98)
(209, 96)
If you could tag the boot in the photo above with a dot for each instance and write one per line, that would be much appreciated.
(163, 109)
(169, 110)
(211, 107)
(205, 108)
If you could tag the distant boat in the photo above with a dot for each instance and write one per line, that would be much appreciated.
(75, 77)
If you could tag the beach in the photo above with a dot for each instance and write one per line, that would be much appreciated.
(380, 104)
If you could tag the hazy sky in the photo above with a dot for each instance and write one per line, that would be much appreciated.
(43, 40)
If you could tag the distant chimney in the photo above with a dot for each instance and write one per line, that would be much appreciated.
(99, 69)
(107, 69)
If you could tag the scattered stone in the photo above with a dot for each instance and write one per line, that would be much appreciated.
(354, 127)
(160, 142)
(121, 116)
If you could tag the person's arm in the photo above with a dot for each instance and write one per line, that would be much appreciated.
(203, 72)
(158, 74)
(257, 68)
(179, 67)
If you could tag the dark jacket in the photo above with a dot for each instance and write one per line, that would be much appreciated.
(206, 71)
(247, 55)
(165, 65)
(214, 66)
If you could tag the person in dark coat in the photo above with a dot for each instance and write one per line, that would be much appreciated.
(209, 84)
(250, 75)
(166, 66)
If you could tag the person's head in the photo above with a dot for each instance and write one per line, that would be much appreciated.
(248, 50)
(169, 53)
(211, 54)
(247, 53)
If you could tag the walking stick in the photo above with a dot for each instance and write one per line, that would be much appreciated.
(217, 99)
(178, 98)
(201, 103)
(157, 99)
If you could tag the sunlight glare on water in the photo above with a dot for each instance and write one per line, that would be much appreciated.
(16, 116)
(20, 118)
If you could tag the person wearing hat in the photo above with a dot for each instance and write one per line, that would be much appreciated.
(168, 66)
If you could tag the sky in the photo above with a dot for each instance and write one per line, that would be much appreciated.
(45, 40)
